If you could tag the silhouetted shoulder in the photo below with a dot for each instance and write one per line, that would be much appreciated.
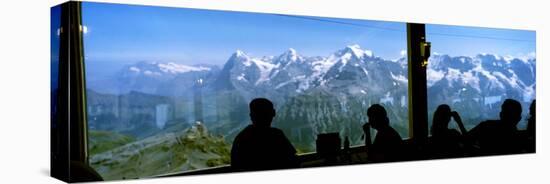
(258, 148)
(489, 123)
(276, 132)
(251, 131)
(448, 134)
(483, 127)
(389, 135)
(387, 146)
(282, 140)
(245, 133)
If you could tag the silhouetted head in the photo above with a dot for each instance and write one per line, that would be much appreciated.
(510, 112)
(441, 119)
(261, 112)
(378, 117)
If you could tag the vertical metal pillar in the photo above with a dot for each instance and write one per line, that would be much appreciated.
(418, 53)
(69, 135)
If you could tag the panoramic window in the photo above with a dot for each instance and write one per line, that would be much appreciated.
(473, 70)
(168, 88)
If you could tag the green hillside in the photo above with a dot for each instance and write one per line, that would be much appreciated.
(190, 149)
(100, 141)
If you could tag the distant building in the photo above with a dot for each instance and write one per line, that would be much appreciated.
(161, 115)
(198, 101)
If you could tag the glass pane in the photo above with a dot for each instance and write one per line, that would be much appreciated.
(474, 70)
(168, 88)
(55, 31)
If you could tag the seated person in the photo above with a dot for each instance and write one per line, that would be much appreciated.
(387, 145)
(260, 146)
(446, 142)
(499, 136)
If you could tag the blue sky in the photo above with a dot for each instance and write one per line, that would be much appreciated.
(126, 33)
(469, 41)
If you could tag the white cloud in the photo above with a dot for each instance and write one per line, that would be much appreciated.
(135, 69)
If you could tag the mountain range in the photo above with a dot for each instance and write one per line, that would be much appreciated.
(350, 70)
(317, 94)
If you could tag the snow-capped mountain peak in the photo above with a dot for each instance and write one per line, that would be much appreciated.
(291, 52)
(356, 51)
(240, 57)
(287, 57)
(239, 53)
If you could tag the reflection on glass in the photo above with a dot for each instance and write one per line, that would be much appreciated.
(168, 88)
(474, 70)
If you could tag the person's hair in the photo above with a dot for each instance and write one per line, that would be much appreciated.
(378, 112)
(441, 118)
(511, 111)
(261, 111)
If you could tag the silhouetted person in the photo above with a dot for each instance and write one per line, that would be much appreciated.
(387, 145)
(531, 127)
(499, 136)
(260, 146)
(446, 142)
